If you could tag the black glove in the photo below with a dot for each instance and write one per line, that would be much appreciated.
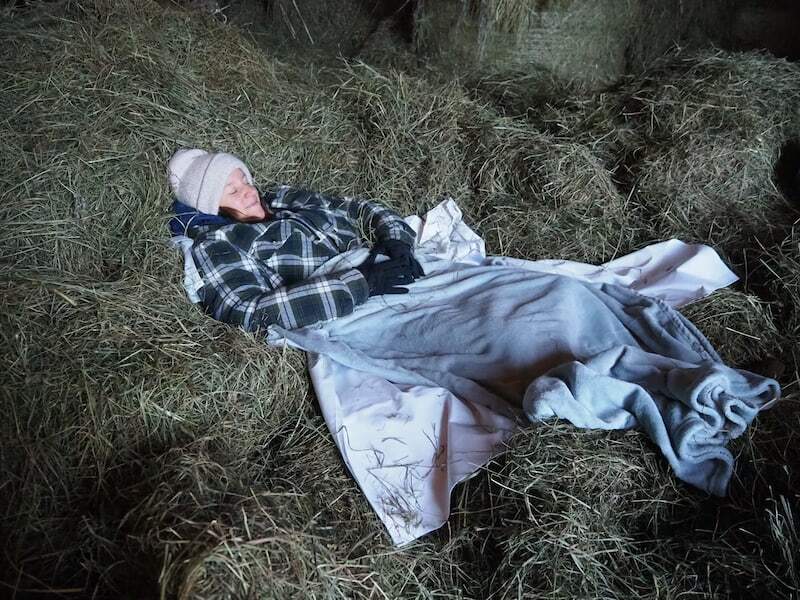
(398, 249)
(383, 278)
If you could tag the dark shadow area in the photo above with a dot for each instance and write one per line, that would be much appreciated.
(787, 172)
(770, 25)
(109, 561)
(399, 12)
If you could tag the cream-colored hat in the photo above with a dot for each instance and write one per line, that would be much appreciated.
(198, 177)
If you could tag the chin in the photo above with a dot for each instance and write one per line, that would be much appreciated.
(252, 219)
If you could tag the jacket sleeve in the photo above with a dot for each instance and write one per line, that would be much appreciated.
(373, 219)
(240, 291)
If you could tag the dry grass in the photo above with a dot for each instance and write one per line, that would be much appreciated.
(711, 129)
(591, 44)
(150, 450)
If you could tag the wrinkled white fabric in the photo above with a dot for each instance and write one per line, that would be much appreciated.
(192, 282)
(671, 271)
(407, 446)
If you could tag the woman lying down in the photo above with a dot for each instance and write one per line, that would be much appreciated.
(509, 339)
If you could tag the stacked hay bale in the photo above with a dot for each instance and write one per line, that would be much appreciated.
(593, 43)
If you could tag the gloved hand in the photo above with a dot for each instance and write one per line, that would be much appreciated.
(398, 249)
(383, 278)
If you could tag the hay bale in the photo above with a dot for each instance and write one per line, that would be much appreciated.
(581, 43)
(590, 43)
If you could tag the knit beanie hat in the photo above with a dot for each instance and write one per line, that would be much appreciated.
(198, 177)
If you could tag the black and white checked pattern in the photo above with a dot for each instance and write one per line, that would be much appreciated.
(258, 274)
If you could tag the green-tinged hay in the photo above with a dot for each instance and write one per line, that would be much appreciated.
(692, 144)
(410, 142)
(576, 513)
(544, 196)
(91, 124)
(286, 522)
(711, 127)
(599, 514)
(104, 378)
(591, 44)
(151, 450)
(517, 93)
(739, 326)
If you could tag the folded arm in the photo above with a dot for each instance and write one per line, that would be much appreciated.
(373, 219)
(242, 291)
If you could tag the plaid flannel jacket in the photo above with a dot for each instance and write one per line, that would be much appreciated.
(258, 274)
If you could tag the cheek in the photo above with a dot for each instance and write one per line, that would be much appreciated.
(253, 209)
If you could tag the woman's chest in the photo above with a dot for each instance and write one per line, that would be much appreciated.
(319, 228)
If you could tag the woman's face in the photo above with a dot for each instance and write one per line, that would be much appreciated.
(240, 200)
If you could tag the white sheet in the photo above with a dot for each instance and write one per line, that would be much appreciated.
(408, 446)
(390, 435)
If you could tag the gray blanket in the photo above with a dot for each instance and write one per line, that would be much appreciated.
(600, 356)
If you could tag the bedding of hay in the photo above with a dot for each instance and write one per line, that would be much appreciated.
(148, 450)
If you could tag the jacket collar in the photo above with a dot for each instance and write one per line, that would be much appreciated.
(185, 218)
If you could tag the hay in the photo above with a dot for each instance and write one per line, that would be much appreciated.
(712, 126)
(740, 326)
(150, 450)
(336, 28)
(558, 539)
(591, 44)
